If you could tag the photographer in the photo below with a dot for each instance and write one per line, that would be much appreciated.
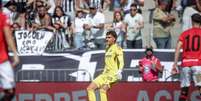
(150, 66)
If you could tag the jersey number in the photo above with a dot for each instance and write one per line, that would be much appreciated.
(195, 43)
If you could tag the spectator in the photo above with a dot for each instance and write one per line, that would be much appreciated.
(134, 23)
(119, 28)
(50, 6)
(188, 12)
(15, 16)
(58, 3)
(82, 5)
(11, 11)
(125, 5)
(61, 23)
(97, 4)
(190, 42)
(107, 4)
(95, 24)
(31, 12)
(42, 20)
(139, 2)
(68, 7)
(21, 5)
(34, 5)
(78, 30)
(38, 4)
(116, 4)
(150, 66)
(170, 4)
(187, 3)
(162, 24)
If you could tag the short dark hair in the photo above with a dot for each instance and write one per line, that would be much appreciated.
(10, 3)
(166, 2)
(196, 18)
(113, 33)
(0, 4)
(149, 48)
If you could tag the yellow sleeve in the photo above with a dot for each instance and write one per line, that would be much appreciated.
(120, 57)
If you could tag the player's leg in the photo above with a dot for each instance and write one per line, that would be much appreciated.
(7, 80)
(108, 81)
(8, 94)
(185, 78)
(197, 77)
(199, 90)
(184, 94)
(91, 91)
(96, 83)
(103, 92)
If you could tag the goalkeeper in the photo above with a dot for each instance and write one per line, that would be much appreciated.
(114, 62)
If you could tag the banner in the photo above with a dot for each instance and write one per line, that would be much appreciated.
(86, 65)
(32, 42)
(122, 91)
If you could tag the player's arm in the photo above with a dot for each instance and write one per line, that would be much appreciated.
(141, 68)
(159, 67)
(120, 58)
(10, 42)
(120, 62)
(176, 57)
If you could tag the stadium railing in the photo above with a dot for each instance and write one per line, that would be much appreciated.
(60, 75)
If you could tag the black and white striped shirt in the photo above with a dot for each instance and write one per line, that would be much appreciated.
(21, 4)
(68, 5)
(97, 3)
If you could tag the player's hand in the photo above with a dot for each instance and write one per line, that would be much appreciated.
(15, 61)
(119, 74)
(175, 69)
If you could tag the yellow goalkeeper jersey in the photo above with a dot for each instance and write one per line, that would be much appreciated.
(114, 59)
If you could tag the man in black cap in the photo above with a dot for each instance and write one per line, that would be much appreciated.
(190, 42)
(150, 66)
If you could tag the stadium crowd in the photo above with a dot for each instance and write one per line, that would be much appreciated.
(82, 24)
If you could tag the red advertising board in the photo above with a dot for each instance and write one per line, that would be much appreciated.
(124, 91)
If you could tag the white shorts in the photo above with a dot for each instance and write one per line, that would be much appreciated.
(188, 73)
(7, 75)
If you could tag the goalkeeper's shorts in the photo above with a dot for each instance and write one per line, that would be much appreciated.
(105, 79)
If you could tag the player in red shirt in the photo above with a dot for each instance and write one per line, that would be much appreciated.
(6, 68)
(150, 66)
(190, 42)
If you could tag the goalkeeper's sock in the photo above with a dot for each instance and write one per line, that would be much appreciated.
(103, 95)
(91, 95)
